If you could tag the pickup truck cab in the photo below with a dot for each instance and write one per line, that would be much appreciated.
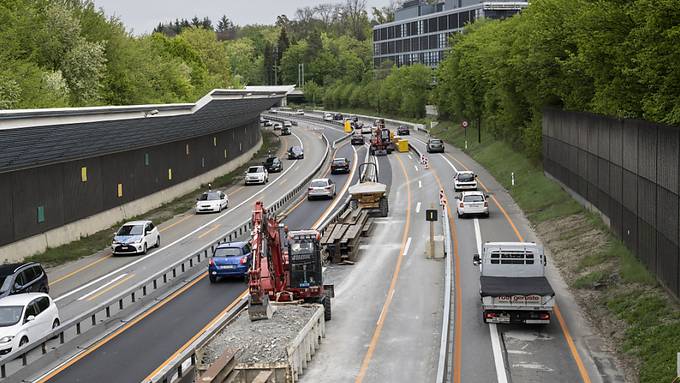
(513, 286)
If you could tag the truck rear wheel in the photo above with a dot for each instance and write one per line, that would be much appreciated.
(384, 207)
(326, 301)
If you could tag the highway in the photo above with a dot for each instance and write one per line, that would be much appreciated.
(146, 342)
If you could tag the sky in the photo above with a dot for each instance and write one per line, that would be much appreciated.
(141, 16)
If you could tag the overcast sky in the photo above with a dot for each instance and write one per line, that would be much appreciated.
(141, 16)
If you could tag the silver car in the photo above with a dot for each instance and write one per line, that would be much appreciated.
(435, 145)
(472, 202)
(322, 187)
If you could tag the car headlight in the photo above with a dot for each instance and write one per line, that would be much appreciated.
(6, 339)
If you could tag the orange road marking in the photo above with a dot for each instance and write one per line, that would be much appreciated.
(109, 288)
(175, 223)
(215, 227)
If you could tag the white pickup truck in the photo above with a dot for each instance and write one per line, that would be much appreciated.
(513, 286)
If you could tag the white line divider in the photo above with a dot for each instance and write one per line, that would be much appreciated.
(408, 245)
(128, 265)
(102, 287)
(493, 330)
(418, 208)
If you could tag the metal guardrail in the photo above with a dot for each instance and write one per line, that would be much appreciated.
(185, 362)
(100, 315)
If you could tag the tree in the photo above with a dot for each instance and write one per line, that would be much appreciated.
(84, 68)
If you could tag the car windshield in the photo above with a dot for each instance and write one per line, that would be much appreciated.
(254, 169)
(131, 230)
(304, 247)
(212, 196)
(473, 198)
(339, 161)
(5, 282)
(269, 161)
(319, 184)
(466, 177)
(296, 149)
(435, 142)
(10, 315)
(227, 252)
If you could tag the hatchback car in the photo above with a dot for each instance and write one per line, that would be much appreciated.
(296, 153)
(256, 175)
(435, 145)
(300, 112)
(230, 259)
(403, 131)
(366, 129)
(273, 164)
(285, 131)
(267, 123)
(135, 238)
(328, 117)
(357, 139)
(338, 117)
(340, 165)
(472, 202)
(287, 124)
(277, 126)
(465, 180)
(212, 202)
(25, 318)
(322, 187)
(19, 278)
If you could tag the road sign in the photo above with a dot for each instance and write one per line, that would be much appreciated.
(431, 215)
(464, 124)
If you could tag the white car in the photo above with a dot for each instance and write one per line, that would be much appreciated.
(25, 318)
(277, 126)
(465, 180)
(287, 124)
(328, 117)
(367, 129)
(321, 187)
(212, 201)
(472, 203)
(300, 112)
(256, 175)
(135, 237)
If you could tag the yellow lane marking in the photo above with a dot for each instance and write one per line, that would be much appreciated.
(390, 292)
(193, 338)
(563, 325)
(125, 327)
(175, 223)
(215, 227)
(120, 282)
(69, 275)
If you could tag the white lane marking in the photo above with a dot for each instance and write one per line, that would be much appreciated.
(382, 312)
(415, 167)
(409, 156)
(493, 330)
(101, 287)
(420, 184)
(108, 275)
(418, 208)
(408, 245)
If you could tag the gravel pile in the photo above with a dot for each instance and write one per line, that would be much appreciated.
(262, 341)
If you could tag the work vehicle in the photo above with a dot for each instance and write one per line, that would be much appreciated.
(340, 165)
(277, 126)
(19, 278)
(381, 141)
(465, 180)
(287, 124)
(135, 237)
(328, 117)
(435, 145)
(230, 259)
(321, 187)
(25, 318)
(513, 286)
(285, 131)
(403, 130)
(357, 139)
(212, 202)
(273, 164)
(472, 203)
(369, 194)
(296, 153)
(256, 175)
(300, 112)
(286, 266)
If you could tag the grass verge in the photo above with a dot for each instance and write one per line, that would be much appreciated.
(621, 298)
(100, 240)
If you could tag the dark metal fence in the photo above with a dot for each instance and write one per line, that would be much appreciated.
(628, 170)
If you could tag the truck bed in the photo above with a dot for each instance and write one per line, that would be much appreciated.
(501, 286)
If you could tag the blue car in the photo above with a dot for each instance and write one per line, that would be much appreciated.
(231, 259)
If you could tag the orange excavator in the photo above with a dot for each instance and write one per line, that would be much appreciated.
(381, 140)
(286, 267)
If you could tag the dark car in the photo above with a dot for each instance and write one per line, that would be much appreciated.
(338, 116)
(340, 165)
(267, 123)
(435, 145)
(273, 164)
(230, 259)
(285, 131)
(296, 153)
(403, 131)
(357, 139)
(19, 278)
(354, 118)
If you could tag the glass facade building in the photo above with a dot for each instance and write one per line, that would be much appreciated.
(421, 31)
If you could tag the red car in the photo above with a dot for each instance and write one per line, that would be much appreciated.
(340, 165)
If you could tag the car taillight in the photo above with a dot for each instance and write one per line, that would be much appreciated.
(544, 316)
(490, 315)
(211, 261)
(486, 203)
(461, 205)
(244, 260)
